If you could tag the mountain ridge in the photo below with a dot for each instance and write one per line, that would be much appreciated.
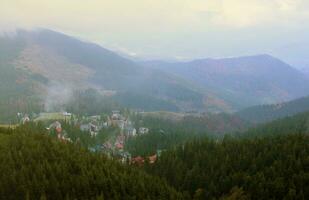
(242, 81)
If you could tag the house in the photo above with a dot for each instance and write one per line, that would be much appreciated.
(131, 131)
(116, 115)
(105, 124)
(64, 137)
(61, 134)
(55, 125)
(152, 159)
(107, 146)
(66, 114)
(125, 157)
(143, 130)
(25, 119)
(84, 127)
(119, 146)
(91, 127)
(138, 161)
(95, 118)
(94, 129)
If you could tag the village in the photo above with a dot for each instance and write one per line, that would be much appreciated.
(113, 146)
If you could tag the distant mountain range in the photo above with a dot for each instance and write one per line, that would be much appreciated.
(31, 62)
(243, 81)
(35, 61)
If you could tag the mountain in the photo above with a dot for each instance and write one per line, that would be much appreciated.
(42, 68)
(305, 71)
(296, 54)
(242, 81)
(266, 113)
(45, 64)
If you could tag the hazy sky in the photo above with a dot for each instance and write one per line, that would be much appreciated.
(171, 28)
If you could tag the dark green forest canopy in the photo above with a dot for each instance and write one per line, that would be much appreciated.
(274, 167)
(267, 162)
(36, 166)
(267, 113)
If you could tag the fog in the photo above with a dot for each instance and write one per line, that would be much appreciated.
(58, 95)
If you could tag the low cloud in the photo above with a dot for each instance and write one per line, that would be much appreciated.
(58, 95)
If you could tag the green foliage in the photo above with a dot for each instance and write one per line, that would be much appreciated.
(35, 166)
(273, 167)
(296, 124)
(85, 139)
(148, 144)
(266, 113)
(166, 132)
(267, 162)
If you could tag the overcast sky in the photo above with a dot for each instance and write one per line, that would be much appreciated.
(182, 29)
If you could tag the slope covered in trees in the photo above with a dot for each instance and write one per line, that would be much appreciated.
(265, 113)
(34, 166)
(170, 129)
(265, 168)
(269, 162)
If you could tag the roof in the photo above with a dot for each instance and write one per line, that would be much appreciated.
(152, 159)
(138, 160)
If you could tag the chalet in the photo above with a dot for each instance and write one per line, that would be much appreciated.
(143, 130)
(116, 115)
(138, 161)
(95, 118)
(93, 128)
(152, 159)
(131, 131)
(125, 157)
(61, 134)
(55, 125)
(65, 138)
(84, 127)
(107, 146)
(119, 146)
(25, 119)
(66, 114)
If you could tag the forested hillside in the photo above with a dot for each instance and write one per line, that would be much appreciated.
(266, 113)
(35, 166)
(264, 168)
(268, 162)
(170, 129)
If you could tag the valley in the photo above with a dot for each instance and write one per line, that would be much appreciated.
(78, 121)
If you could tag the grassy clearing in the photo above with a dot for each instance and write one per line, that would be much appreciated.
(8, 126)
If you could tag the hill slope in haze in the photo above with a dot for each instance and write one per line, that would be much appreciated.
(265, 113)
(38, 59)
(37, 63)
(243, 81)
